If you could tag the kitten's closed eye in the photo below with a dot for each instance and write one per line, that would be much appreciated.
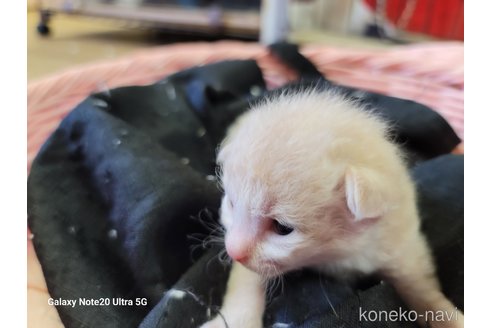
(281, 229)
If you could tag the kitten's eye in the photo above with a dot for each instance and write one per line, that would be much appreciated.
(281, 229)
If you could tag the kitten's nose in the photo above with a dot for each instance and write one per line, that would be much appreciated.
(238, 255)
(237, 251)
(242, 259)
(239, 242)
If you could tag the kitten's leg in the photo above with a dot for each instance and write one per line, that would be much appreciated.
(244, 301)
(412, 274)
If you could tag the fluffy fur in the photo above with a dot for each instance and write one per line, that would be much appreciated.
(312, 180)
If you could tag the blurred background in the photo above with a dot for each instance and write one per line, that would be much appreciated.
(64, 33)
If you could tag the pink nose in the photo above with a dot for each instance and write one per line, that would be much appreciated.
(242, 260)
(239, 254)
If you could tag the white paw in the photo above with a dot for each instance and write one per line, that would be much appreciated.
(215, 323)
(218, 322)
(457, 321)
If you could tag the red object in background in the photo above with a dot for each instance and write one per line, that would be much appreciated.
(438, 18)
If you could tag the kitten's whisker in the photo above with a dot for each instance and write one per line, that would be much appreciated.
(224, 257)
(326, 296)
(215, 230)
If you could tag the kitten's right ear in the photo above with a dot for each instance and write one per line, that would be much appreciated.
(366, 193)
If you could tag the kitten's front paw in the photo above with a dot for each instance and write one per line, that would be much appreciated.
(215, 323)
(218, 322)
(455, 322)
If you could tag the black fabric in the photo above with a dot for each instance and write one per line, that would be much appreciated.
(289, 53)
(440, 184)
(122, 196)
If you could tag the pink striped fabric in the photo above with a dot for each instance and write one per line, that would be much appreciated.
(428, 73)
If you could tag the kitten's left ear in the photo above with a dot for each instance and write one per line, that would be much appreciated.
(366, 193)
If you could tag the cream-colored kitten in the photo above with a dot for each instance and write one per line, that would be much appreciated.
(311, 180)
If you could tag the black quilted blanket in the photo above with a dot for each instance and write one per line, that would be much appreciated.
(122, 198)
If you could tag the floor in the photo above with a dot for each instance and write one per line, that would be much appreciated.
(75, 40)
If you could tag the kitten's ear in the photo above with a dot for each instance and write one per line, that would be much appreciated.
(366, 193)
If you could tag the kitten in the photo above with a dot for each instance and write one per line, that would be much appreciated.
(311, 180)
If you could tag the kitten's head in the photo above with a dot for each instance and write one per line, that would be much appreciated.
(297, 190)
